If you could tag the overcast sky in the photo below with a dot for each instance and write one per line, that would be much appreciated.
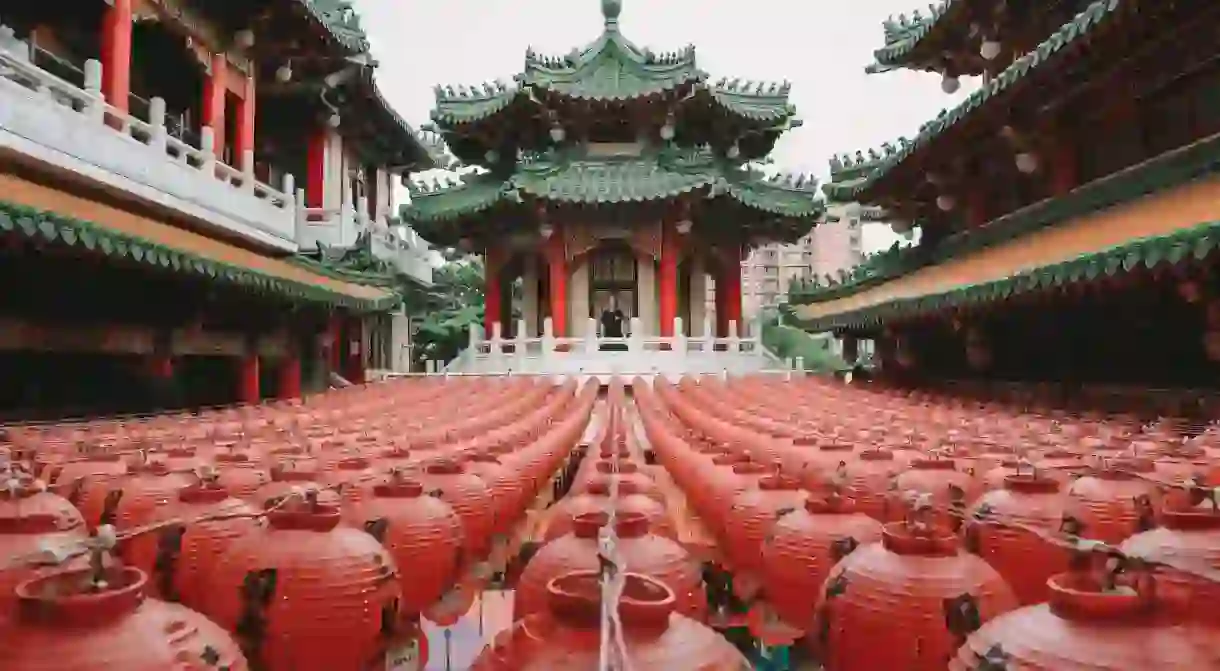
(820, 47)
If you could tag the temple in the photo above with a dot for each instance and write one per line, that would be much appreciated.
(1066, 208)
(196, 201)
(614, 176)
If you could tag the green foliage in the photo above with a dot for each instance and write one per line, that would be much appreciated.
(447, 309)
(787, 341)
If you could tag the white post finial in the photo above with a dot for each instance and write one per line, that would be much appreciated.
(156, 120)
(591, 335)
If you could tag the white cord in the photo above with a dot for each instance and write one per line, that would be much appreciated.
(612, 588)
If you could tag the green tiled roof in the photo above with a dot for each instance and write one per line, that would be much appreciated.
(1188, 245)
(1083, 24)
(610, 180)
(903, 34)
(341, 21)
(847, 170)
(611, 68)
(61, 229)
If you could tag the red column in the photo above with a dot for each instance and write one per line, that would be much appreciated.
(116, 53)
(247, 380)
(290, 377)
(315, 178)
(355, 351)
(667, 279)
(976, 207)
(557, 278)
(493, 297)
(161, 365)
(214, 90)
(334, 334)
(243, 133)
(732, 289)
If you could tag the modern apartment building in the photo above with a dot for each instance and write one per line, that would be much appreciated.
(834, 244)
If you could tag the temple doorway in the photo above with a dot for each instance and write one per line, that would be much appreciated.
(612, 287)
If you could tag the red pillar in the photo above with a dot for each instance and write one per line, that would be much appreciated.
(214, 89)
(493, 296)
(243, 133)
(315, 178)
(355, 350)
(116, 53)
(161, 366)
(290, 377)
(334, 335)
(248, 390)
(557, 278)
(667, 279)
(730, 286)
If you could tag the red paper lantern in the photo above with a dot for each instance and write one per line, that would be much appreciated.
(1114, 503)
(32, 520)
(305, 594)
(469, 497)
(802, 548)
(566, 635)
(66, 622)
(1187, 538)
(1084, 628)
(1004, 526)
(642, 551)
(906, 603)
(421, 532)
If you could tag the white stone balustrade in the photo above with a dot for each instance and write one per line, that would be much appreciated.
(51, 123)
(592, 355)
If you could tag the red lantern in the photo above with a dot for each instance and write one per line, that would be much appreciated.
(907, 602)
(951, 490)
(178, 556)
(643, 552)
(1114, 503)
(32, 520)
(305, 594)
(420, 531)
(241, 476)
(1085, 628)
(469, 497)
(128, 501)
(596, 498)
(1004, 526)
(1187, 538)
(751, 516)
(65, 621)
(802, 548)
(566, 635)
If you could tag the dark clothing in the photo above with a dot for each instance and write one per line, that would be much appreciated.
(612, 323)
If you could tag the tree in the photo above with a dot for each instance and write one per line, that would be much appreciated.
(446, 310)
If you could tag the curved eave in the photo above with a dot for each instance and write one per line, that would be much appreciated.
(455, 110)
(898, 53)
(408, 151)
(758, 108)
(612, 87)
(1044, 56)
(769, 198)
(351, 38)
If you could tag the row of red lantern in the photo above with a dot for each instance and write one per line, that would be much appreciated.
(880, 604)
(558, 597)
(265, 578)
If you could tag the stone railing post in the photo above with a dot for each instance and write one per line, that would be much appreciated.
(159, 137)
(96, 110)
(635, 339)
(590, 335)
(207, 146)
(679, 340)
(798, 365)
(247, 170)
(734, 339)
(548, 337)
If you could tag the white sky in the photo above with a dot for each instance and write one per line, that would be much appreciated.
(820, 47)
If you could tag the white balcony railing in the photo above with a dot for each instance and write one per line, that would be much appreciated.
(50, 121)
(53, 123)
(601, 357)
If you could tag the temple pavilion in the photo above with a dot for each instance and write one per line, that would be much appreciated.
(1067, 209)
(613, 175)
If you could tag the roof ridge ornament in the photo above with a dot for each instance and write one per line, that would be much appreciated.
(610, 11)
